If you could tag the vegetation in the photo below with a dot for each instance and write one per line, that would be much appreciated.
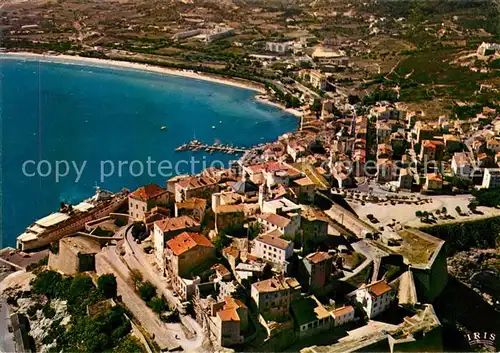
(482, 234)
(120, 221)
(102, 332)
(487, 197)
(147, 291)
(107, 285)
(139, 231)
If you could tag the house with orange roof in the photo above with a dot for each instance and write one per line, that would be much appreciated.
(229, 216)
(310, 316)
(201, 186)
(386, 170)
(315, 270)
(194, 207)
(343, 315)
(287, 226)
(142, 200)
(433, 182)
(493, 144)
(274, 296)
(274, 249)
(431, 150)
(184, 253)
(225, 317)
(314, 225)
(232, 322)
(166, 229)
(374, 298)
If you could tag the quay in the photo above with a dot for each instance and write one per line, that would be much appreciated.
(196, 145)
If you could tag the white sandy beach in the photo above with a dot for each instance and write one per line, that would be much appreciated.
(79, 60)
(70, 59)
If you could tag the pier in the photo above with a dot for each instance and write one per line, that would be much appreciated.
(196, 145)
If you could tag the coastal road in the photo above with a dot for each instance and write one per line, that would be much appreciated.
(6, 338)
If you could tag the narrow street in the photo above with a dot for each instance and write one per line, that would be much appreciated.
(137, 259)
(6, 337)
(108, 262)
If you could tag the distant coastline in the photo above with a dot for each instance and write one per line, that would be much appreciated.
(79, 60)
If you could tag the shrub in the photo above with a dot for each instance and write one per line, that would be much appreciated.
(158, 304)
(120, 222)
(107, 285)
(47, 283)
(32, 310)
(48, 311)
(147, 291)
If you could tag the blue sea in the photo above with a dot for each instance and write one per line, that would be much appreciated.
(104, 123)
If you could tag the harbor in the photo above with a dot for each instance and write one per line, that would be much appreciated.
(196, 145)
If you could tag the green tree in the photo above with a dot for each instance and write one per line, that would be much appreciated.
(130, 344)
(419, 214)
(139, 230)
(316, 106)
(136, 278)
(472, 206)
(147, 291)
(221, 241)
(107, 285)
(458, 209)
(159, 304)
(47, 283)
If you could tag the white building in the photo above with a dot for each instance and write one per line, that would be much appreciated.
(218, 32)
(281, 205)
(277, 47)
(272, 248)
(287, 226)
(491, 178)
(493, 144)
(374, 298)
(488, 49)
(186, 34)
(273, 296)
(343, 315)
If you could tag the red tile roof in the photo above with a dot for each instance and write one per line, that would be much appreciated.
(343, 311)
(273, 241)
(275, 219)
(318, 257)
(176, 223)
(232, 303)
(195, 182)
(186, 241)
(228, 315)
(147, 192)
(432, 143)
(378, 288)
(192, 203)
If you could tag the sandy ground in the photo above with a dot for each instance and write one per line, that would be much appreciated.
(75, 60)
(405, 214)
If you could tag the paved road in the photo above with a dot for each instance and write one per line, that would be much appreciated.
(6, 338)
(137, 259)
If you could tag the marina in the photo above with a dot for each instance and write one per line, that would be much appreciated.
(196, 145)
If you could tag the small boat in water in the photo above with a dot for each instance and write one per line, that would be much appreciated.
(164, 128)
(213, 126)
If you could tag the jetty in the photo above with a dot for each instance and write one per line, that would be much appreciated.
(196, 145)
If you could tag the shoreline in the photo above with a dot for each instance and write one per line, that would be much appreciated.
(79, 60)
